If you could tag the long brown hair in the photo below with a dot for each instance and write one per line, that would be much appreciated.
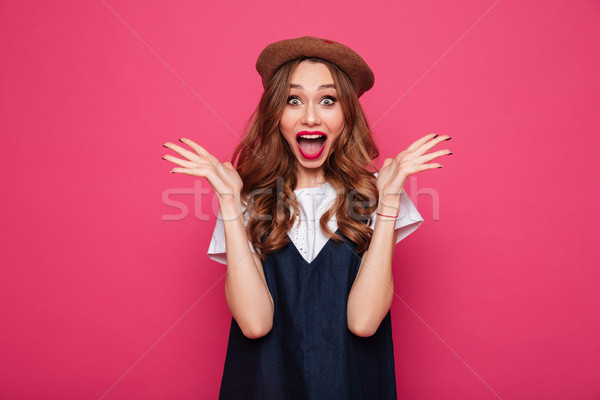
(267, 167)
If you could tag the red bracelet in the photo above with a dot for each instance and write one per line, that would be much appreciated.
(389, 216)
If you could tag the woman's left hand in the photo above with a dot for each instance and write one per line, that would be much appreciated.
(394, 172)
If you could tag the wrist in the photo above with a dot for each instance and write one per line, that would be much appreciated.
(230, 207)
(388, 204)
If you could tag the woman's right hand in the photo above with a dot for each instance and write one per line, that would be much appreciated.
(246, 290)
(222, 177)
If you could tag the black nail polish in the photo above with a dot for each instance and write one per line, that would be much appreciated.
(449, 138)
(436, 136)
(165, 146)
(440, 166)
(163, 158)
(450, 153)
(180, 140)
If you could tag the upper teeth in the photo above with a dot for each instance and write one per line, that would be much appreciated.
(310, 136)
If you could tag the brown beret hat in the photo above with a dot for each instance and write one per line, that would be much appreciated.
(276, 54)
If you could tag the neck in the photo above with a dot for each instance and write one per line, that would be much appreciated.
(309, 178)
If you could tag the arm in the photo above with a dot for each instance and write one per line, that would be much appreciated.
(246, 291)
(373, 290)
(372, 293)
(248, 297)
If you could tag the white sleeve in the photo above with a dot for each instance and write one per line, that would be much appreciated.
(408, 219)
(217, 250)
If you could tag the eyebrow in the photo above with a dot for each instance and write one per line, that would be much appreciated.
(329, 85)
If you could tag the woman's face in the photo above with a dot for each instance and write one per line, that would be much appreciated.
(312, 119)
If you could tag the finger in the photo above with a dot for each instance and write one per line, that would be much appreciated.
(387, 162)
(425, 147)
(425, 167)
(416, 168)
(186, 153)
(204, 172)
(416, 144)
(180, 162)
(199, 149)
(430, 156)
(228, 165)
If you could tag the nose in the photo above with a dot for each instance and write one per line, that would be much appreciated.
(311, 115)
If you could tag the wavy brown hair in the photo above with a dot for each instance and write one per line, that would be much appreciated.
(267, 167)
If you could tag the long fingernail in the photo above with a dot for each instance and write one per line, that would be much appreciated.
(180, 140)
(165, 146)
(436, 135)
(440, 166)
(449, 138)
(450, 153)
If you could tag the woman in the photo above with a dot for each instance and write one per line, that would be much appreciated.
(307, 229)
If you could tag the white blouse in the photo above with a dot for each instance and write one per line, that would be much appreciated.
(306, 234)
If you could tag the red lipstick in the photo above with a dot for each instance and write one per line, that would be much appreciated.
(311, 136)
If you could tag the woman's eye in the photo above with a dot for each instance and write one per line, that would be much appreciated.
(329, 100)
(293, 100)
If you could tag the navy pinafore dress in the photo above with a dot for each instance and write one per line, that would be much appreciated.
(310, 353)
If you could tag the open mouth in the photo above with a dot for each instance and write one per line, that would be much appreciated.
(311, 144)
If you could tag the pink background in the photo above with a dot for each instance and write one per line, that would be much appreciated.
(105, 287)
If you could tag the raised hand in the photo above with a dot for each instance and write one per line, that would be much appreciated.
(222, 177)
(394, 172)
